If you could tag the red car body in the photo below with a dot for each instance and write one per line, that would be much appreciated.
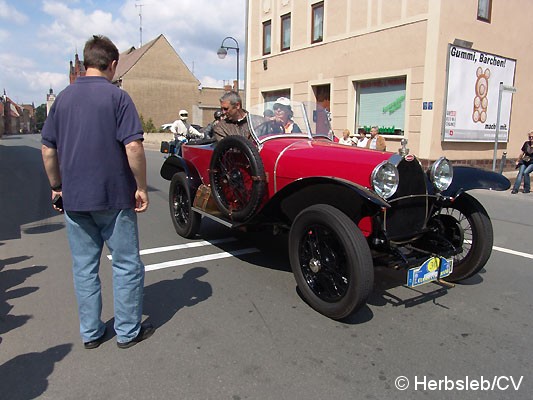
(345, 209)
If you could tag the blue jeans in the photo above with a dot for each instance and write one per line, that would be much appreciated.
(523, 172)
(87, 233)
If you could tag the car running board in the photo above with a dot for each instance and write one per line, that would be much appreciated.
(222, 221)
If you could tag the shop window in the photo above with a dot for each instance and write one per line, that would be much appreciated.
(286, 32)
(381, 102)
(317, 22)
(267, 37)
(484, 10)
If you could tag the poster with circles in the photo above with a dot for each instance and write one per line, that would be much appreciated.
(473, 95)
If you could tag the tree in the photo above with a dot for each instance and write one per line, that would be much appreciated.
(40, 117)
(147, 126)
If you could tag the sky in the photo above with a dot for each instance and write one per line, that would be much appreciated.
(39, 38)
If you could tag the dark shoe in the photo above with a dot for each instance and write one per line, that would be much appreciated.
(514, 191)
(93, 344)
(146, 331)
(526, 191)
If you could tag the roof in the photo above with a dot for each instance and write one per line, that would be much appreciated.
(14, 109)
(130, 57)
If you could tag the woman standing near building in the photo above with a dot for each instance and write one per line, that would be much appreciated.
(525, 165)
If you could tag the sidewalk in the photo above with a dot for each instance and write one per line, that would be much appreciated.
(153, 140)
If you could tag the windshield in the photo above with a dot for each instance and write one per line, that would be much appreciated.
(272, 119)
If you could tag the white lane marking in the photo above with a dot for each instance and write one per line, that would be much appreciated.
(508, 251)
(191, 260)
(182, 246)
(513, 252)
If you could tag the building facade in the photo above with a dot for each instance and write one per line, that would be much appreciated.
(161, 84)
(425, 70)
(15, 118)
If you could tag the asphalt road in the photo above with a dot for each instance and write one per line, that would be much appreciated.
(230, 323)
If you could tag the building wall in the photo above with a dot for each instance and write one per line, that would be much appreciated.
(160, 84)
(504, 36)
(371, 39)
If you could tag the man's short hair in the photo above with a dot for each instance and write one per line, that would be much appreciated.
(233, 98)
(99, 52)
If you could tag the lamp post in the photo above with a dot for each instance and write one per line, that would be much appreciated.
(502, 88)
(223, 51)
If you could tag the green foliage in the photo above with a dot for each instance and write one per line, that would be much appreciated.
(40, 116)
(147, 126)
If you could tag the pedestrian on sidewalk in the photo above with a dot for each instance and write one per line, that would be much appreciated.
(93, 154)
(524, 165)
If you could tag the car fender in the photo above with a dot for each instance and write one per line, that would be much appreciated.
(468, 178)
(175, 164)
(354, 200)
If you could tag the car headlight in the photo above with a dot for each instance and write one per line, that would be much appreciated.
(441, 174)
(385, 179)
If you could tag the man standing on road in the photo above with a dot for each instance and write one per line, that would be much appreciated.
(94, 158)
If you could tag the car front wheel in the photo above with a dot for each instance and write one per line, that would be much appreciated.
(186, 221)
(331, 261)
(467, 226)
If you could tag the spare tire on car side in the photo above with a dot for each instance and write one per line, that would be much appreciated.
(237, 177)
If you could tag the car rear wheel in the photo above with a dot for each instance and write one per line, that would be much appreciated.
(186, 221)
(467, 225)
(237, 177)
(331, 261)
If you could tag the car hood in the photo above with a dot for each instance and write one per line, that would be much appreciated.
(312, 158)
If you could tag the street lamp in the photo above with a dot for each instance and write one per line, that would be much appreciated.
(223, 51)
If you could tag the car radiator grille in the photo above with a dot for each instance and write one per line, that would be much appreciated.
(408, 214)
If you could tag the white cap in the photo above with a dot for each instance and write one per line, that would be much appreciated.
(283, 101)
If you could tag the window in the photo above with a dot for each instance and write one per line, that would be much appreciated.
(270, 97)
(267, 37)
(317, 22)
(484, 8)
(285, 32)
(381, 103)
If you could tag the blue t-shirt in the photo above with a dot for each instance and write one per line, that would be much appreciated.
(89, 124)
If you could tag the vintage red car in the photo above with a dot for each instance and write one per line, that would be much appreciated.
(346, 210)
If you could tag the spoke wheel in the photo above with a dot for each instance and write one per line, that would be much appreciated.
(237, 177)
(467, 225)
(186, 221)
(331, 261)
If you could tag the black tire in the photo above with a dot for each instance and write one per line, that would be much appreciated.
(331, 261)
(186, 221)
(237, 177)
(469, 226)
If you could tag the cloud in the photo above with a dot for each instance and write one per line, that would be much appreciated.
(24, 82)
(10, 61)
(42, 81)
(71, 27)
(4, 35)
(52, 31)
(11, 14)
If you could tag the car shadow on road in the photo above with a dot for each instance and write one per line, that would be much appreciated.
(390, 289)
(26, 376)
(389, 285)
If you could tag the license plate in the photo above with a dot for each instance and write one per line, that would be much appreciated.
(429, 271)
